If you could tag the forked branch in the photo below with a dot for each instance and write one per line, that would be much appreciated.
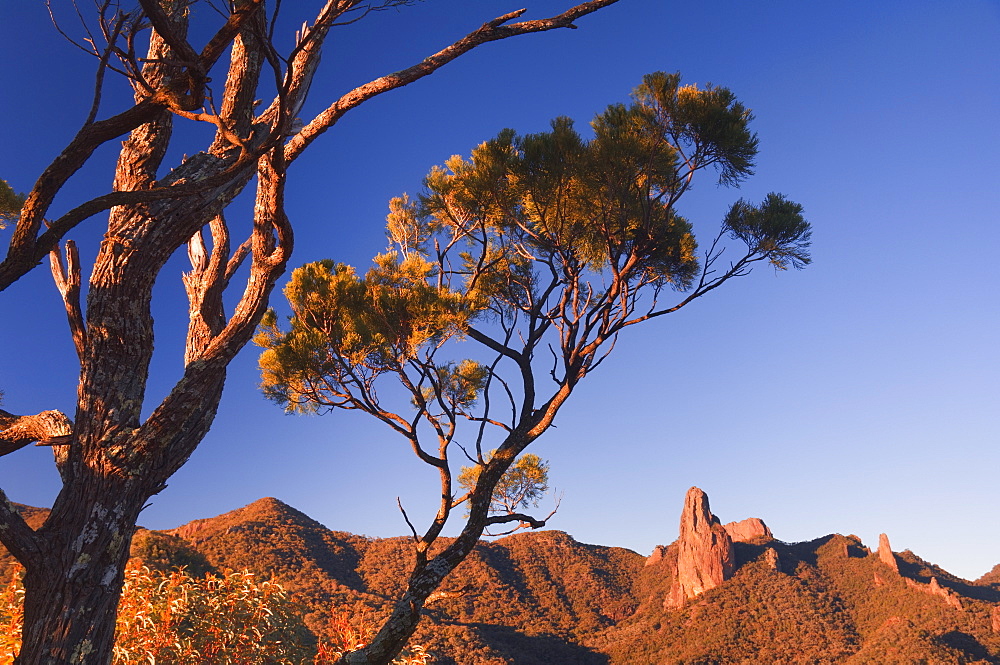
(67, 279)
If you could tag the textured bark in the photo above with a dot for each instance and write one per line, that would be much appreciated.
(80, 576)
(47, 428)
(115, 460)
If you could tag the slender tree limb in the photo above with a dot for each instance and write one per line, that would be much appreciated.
(491, 31)
(242, 13)
(24, 252)
(406, 517)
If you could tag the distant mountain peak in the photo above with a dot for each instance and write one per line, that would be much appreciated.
(265, 509)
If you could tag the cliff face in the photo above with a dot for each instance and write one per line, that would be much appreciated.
(704, 551)
(749, 530)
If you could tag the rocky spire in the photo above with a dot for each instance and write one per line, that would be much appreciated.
(885, 554)
(704, 551)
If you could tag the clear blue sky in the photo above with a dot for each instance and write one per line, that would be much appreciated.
(857, 396)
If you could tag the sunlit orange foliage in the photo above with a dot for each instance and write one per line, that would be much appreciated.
(183, 620)
(11, 617)
(353, 633)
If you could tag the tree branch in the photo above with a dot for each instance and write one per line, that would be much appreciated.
(48, 428)
(15, 534)
(515, 517)
(491, 31)
(67, 278)
(24, 253)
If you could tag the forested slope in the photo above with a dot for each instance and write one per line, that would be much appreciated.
(537, 598)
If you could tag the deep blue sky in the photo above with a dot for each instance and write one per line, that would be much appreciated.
(857, 396)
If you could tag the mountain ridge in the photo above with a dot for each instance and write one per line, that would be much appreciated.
(541, 597)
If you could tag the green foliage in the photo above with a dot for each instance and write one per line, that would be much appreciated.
(164, 553)
(521, 486)
(11, 615)
(544, 242)
(457, 385)
(351, 633)
(230, 618)
(774, 229)
(349, 330)
(527, 218)
(706, 127)
(10, 203)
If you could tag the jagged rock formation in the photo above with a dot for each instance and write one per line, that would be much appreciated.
(704, 551)
(935, 589)
(949, 597)
(995, 619)
(748, 530)
(885, 554)
(659, 553)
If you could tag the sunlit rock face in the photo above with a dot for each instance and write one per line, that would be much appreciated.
(658, 555)
(704, 551)
(885, 554)
(748, 530)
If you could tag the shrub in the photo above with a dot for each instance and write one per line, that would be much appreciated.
(350, 634)
(172, 617)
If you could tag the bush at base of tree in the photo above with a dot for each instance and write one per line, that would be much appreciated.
(353, 633)
(176, 618)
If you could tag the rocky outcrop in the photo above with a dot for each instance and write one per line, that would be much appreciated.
(748, 530)
(934, 588)
(704, 551)
(658, 555)
(950, 597)
(885, 554)
(995, 619)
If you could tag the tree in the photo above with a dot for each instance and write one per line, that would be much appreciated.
(542, 249)
(111, 456)
(521, 486)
